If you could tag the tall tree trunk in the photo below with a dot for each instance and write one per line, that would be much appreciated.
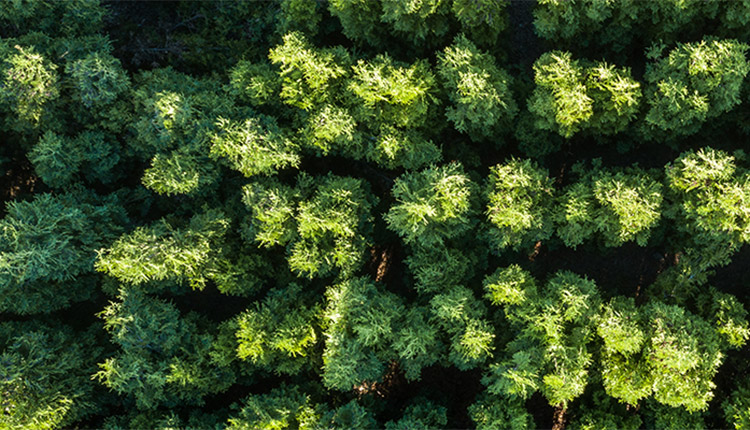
(558, 418)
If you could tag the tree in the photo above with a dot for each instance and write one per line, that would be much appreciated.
(45, 376)
(462, 318)
(278, 335)
(358, 328)
(692, 84)
(432, 205)
(519, 203)
(324, 223)
(622, 205)
(48, 247)
(163, 358)
(176, 117)
(308, 75)
(62, 161)
(482, 20)
(284, 407)
(254, 146)
(573, 95)
(500, 412)
(483, 104)
(551, 353)
(30, 84)
(161, 252)
(422, 414)
(660, 349)
(709, 204)
(391, 92)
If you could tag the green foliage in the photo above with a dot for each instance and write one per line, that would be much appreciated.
(98, 80)
(665, 417)
(483, 105)
(332, 129)
(279, 334)
(620, 205)
(182, 171)
(256, 83)
(462, 318)
(432, 205)
(422, 414)
(175, 127)
(284, 407)
(520, 197)
(417, 342)
(417, 22)
(48, 247)
(619, 25)
(163, 357)
(551, 353)
(324, 223)
(603, 413)
(30, 84)
(308, 74)
(254, 146)
(240, 147)
(434, 268)
(571, 96)
(390, 92)
(162, 251)
(694, 83)
(679, 356)
(737, 408)
(711, 209)
(71, 18)
(483, 20)
(394, 148)
(299, 15)
(730, 318)
(359, 19)
(44, 377)
(61, 161)
(358, 328)
(498, 412)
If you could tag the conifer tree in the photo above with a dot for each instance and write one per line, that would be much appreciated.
(45, 375)
(47, 249)
(161, 251)
(621, 205)
(520, 197)
(552, 352)
(709, 204)
(572, 95)
(432, 205)
(358, 328)
(324, 223)
(483, 105)
(163, 357)
(693, 83)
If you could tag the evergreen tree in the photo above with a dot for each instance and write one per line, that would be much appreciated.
(432, 205)
(621, 205)
(483, 105)
(520, 197)
(163, 358)
(45, 375)
(692, 84)
(572, 95)
(48, 247)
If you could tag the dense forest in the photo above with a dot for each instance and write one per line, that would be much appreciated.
(375, 214)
